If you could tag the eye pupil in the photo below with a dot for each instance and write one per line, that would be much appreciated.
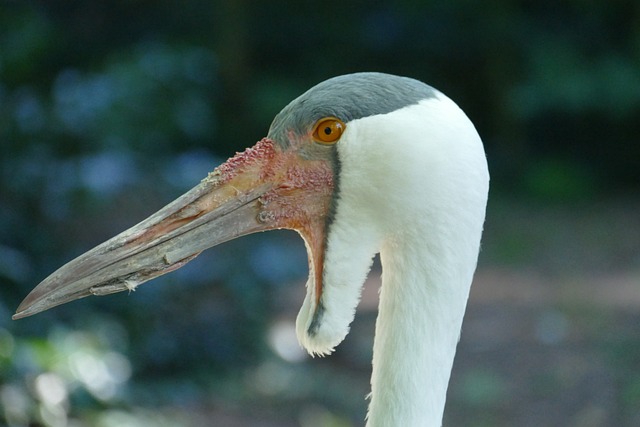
(327, 131)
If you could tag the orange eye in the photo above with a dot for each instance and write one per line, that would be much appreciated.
(328, 130)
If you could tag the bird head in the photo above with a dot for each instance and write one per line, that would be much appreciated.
(334, 167)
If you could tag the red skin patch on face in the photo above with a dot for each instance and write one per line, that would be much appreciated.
(297, 192)
(311, 178)
(301, 202)
(302, 194)
(263, 151)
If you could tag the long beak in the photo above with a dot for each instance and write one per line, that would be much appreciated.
(253, 191)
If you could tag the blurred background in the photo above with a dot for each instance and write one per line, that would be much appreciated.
(110, 109)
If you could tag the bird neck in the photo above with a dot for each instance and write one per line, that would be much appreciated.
(422, 304)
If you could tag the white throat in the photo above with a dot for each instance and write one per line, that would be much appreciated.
(413, 186)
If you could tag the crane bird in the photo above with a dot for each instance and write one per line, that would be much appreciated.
(359, 164)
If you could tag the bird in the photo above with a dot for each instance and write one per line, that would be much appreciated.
(360, 164)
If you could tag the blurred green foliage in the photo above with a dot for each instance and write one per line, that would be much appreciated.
(110, 109)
